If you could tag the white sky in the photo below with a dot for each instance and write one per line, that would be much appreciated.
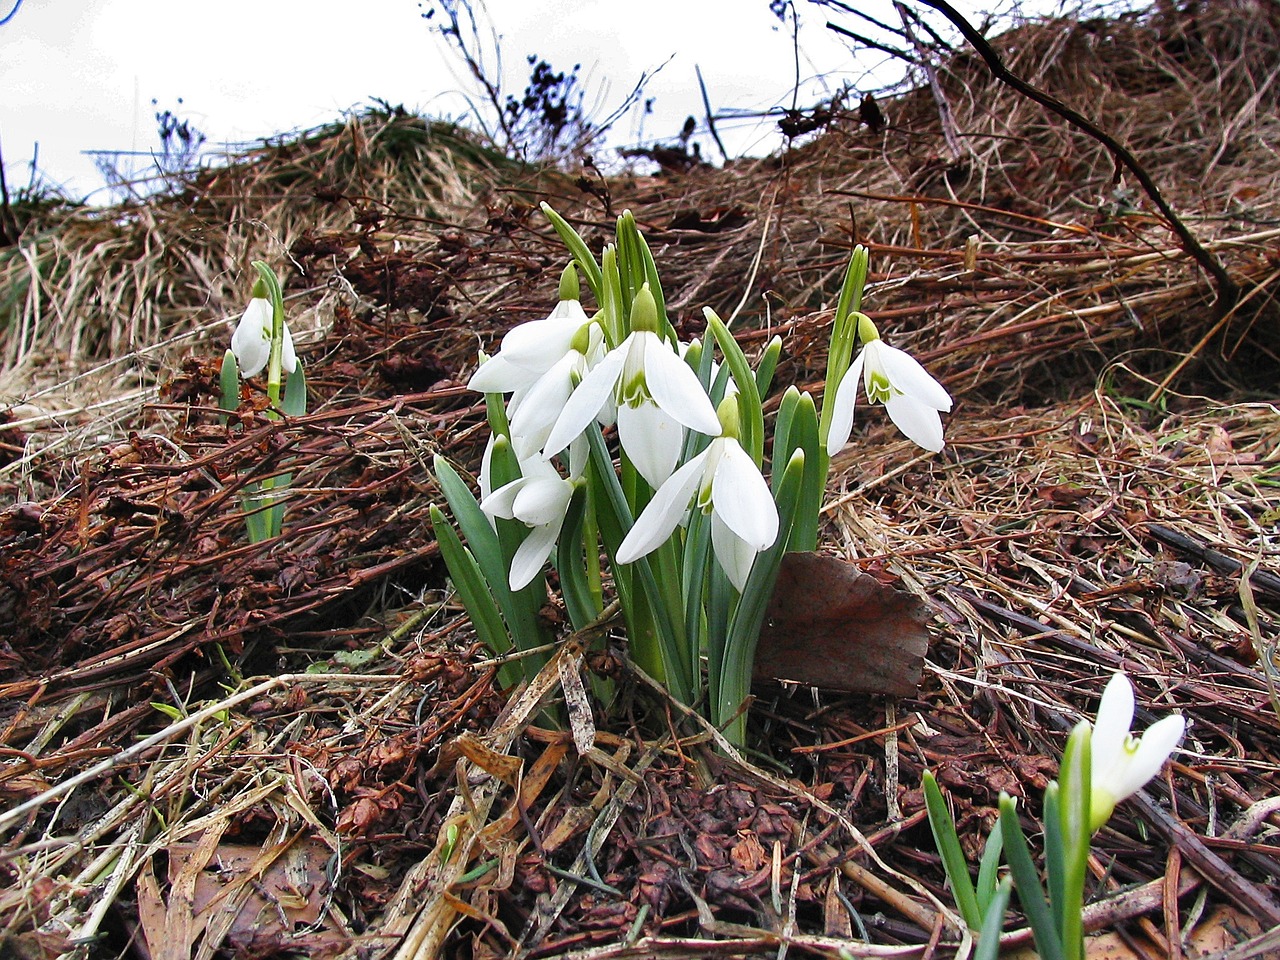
(81, 75)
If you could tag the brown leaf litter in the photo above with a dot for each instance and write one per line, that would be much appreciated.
(328, 769)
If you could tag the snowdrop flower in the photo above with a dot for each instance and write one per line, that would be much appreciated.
(890, 376)
(538, 498)
(530, 349)
(540, 404)
(722, 481)
(251, 342)
(657, 395)
(1123, 764)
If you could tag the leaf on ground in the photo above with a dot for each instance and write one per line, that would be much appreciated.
(830, 626)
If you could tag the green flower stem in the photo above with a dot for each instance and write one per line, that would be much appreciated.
(844, 330)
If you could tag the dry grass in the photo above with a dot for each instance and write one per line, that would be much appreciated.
(1111, 471)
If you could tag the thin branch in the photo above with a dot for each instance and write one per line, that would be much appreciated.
(1228, 289)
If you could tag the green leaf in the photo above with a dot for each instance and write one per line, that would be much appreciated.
(953, 860)
(578, 247)
(469, 581)
(1027, 883)
(229, 383)
(275, 516)
(993, 922)
(1054, 862)
(620, 519)
(1076, 835)
(579, 600)
(294, 403)
(752, 415)
(988, 870)
(767, 365)
(797, 427)
(525, 628)
(844, 331)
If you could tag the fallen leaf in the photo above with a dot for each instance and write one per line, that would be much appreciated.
(830, 626)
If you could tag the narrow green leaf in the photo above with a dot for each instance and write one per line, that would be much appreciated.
(1075, 816)
(294, 403)
(767, 365)
(744, 628)
(675, 665)
(752, 416)
(523, 624)
(574, 584)
(953, 860)
(279, 488)
(993, 922)
(578, 247)
(469, 581)
(1054, 861)
(988, 870)
(1027, 883)
(802, 433)
(229, 383)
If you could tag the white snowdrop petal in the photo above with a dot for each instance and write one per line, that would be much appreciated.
(919, 422)
(541, 502)
(663, 514)
(532, 555)
(1157, 743)
(906, 375)
(741, 499)
(676, 388)
(652, 439)
(842, 407)
(500, 375)
(735, 556)
(586, 401)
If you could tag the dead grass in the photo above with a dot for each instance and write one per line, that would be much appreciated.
(1107, 499)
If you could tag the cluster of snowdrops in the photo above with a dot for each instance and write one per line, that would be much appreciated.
(634, 465)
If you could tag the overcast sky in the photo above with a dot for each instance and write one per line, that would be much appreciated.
(78, 76)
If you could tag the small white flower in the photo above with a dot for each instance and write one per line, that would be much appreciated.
(657, 395)
(722, 481)
(538, 498)
(540, 404)
(1122, 764)
(251, 342)
(530, 349)
(890, 376)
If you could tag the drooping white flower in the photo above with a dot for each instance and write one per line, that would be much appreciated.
(530, 349)
(540, 404)
(724, 482)
(1122, 764)
(251, 342)
(912, 398)
(538, 498)
(657, 395)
